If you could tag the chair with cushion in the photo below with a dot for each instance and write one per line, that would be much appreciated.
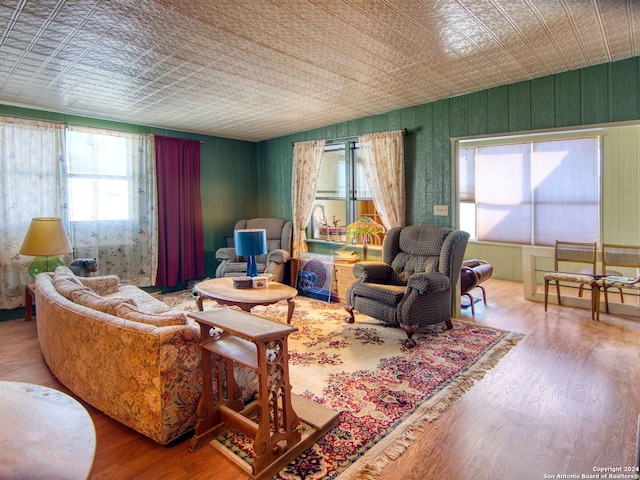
(473, 273)
(625, 256)
(413, 286)
(279, 239)
(566, 253)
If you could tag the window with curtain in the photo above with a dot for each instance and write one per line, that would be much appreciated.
(530, 190)
(343, 193)
(31, 185)
(112, 201)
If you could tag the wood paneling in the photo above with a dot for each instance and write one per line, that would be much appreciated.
(598, 94)
(243, 179)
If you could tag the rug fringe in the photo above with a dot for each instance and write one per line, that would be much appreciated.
(404, 436)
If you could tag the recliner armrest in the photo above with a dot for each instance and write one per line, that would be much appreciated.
(278, 255)
(429, 282)
(226, 253)
(372, 272)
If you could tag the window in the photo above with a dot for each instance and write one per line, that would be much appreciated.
(343, 195)
(98, 173)
(530, 190)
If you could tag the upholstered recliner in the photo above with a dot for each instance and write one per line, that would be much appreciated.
(414, 284)
(279, 239)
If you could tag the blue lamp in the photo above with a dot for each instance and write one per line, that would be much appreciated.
(249, 243)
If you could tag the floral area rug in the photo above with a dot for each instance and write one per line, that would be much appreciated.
(382, 390)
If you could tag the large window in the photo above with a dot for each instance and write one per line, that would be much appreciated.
(530, 190)
(343, 194)
(98, 175)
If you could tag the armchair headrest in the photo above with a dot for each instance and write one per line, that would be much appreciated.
(279, 232)
(423, 240)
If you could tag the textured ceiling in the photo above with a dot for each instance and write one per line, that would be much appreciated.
(258, 69)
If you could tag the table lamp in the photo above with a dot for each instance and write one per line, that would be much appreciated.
(249, 243)
(46, 240)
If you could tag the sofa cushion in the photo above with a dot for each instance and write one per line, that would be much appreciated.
(65, 272)
(143, 300)
(102, 285)
(94, 301)
(66, 287)
(129, 312)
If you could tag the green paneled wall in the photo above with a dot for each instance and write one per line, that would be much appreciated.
(229, 180)
(594, 95)
(245, 179)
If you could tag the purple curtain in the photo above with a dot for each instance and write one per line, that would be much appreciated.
(180, 237)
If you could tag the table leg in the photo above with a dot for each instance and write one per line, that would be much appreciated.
(199, 303)
(291, 305)
(29, 298)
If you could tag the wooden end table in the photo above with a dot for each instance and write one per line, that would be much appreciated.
(29, 300)
(259, 344)
(221, 290)
(45, 433)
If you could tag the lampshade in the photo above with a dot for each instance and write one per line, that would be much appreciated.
(46, 240)
(45, 237)
(250, 241)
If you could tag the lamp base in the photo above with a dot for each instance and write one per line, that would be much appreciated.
(252, 266)
(44, 264)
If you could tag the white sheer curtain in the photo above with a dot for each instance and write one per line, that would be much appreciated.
(31, 185)
(124, 238)
(383, 159)
(307, 160)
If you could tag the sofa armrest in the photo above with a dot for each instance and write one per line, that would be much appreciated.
(372, 272)
(429, 282)
(279, 256)
(102, 285)
(226, 253)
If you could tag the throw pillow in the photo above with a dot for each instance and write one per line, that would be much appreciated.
(65, 272)
(66, 287)
(167, 319)
(92, 300)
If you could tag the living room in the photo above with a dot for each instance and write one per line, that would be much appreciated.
(246, 178)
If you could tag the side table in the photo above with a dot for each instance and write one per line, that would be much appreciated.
(260, 344)
(29, 301)
(45, 433)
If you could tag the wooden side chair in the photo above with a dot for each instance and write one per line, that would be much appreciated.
(572, 252)
(626, 256)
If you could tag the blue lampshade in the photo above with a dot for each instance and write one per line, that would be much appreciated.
(249, 243)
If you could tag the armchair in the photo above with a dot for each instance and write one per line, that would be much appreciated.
(414, 285)
(279, 238)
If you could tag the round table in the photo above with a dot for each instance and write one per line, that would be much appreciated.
(222, 291)
(44, 433)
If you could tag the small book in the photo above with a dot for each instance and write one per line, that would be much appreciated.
(628, 280)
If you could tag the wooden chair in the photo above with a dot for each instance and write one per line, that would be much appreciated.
(613, 255)
(572, 252)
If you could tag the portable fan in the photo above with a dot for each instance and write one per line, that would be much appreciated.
(315, 276)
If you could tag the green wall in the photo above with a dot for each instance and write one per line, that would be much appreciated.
(229, 185)
(594, 95)
(245, 179)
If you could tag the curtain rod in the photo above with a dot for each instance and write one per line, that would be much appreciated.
(405, 132)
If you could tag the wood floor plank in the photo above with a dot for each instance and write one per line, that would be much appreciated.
(564, 401)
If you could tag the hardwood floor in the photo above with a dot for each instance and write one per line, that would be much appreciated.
(564, 401)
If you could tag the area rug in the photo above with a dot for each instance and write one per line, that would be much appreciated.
(382, 390)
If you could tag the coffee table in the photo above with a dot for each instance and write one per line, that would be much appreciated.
(44, 433)
(221, 290)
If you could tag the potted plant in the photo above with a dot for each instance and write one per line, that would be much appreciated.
(364, 228)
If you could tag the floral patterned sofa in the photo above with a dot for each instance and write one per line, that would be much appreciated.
(121, 350)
